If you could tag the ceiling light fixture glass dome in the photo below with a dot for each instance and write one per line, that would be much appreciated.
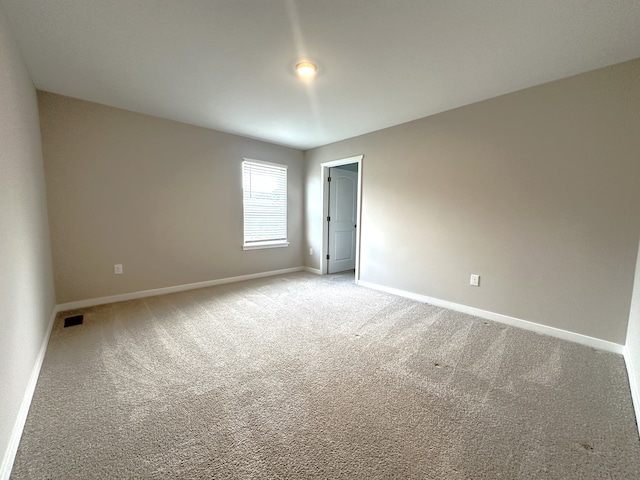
(306, 69)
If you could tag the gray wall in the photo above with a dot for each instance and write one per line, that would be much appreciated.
(536, 191)
(26, 281)
(160, 197)
(633, 340)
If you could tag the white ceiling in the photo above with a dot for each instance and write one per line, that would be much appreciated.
(228, 64)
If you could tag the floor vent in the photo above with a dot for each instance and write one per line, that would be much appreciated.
(71, 321)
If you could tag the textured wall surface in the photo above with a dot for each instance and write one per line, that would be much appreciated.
(160, 197)
(26, 280)
(536, 191)
(633, 340)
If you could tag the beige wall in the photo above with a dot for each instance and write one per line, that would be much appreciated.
(160, 197)
(537, 191)
(26, 280)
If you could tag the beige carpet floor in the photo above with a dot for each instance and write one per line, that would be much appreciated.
(301, 376)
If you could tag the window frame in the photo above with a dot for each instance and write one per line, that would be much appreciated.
(267, 243)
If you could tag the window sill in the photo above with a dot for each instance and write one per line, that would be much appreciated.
(261, 245)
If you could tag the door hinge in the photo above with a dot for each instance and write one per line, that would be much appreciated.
(328, 219)
(329, 179)
(327, 257)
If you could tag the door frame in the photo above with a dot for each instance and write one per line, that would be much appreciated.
(324, 167)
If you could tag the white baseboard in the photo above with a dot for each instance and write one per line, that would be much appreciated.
(497, 317)
(317, 271)
(91, 302)
(633, 374)
(18, 427)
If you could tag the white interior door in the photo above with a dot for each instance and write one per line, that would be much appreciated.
(342, 223)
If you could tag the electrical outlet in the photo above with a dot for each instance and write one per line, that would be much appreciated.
(475, 280)
(311, 252)
(117, 269)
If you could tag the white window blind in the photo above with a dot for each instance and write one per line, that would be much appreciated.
(264, 188)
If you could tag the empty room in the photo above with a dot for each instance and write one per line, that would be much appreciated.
(319, 239)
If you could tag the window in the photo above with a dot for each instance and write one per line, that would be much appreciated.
(264, 188)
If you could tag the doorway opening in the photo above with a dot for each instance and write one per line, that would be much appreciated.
(341, 203)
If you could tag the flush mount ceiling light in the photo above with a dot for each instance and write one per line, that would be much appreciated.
(306, 69)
